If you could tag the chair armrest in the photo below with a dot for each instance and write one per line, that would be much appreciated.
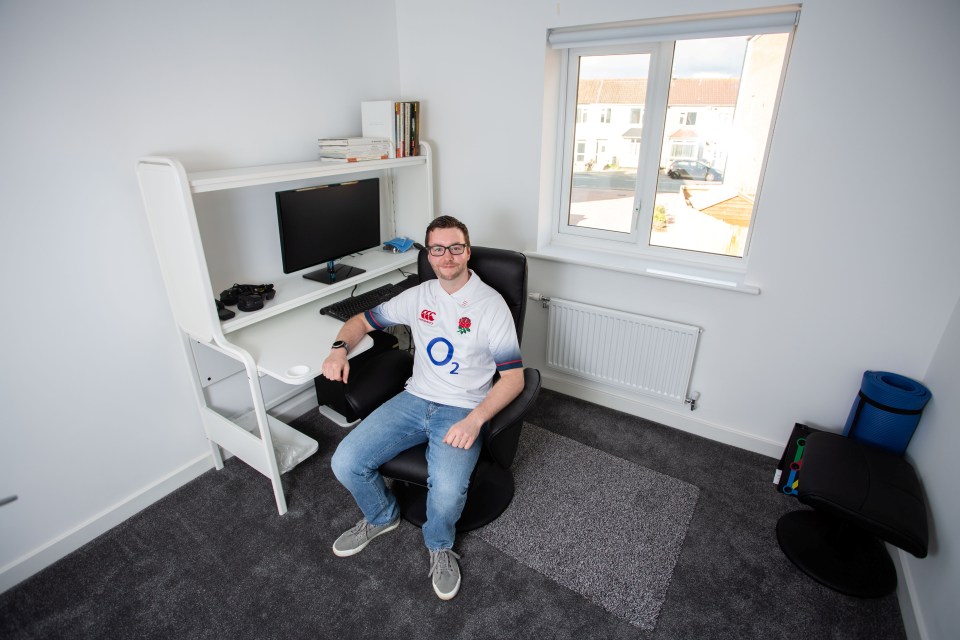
(503, 430)
(378, 380)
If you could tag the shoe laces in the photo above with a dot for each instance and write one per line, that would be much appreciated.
(362, 528)
(441, 562)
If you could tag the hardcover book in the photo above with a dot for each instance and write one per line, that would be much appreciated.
(377, 121)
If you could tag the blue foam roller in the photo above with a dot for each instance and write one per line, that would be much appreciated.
(887, 410)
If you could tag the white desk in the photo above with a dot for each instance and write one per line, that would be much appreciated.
(288, 339)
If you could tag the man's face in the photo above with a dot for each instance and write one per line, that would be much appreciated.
(448, 266)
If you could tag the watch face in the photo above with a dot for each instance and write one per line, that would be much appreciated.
(339, 344)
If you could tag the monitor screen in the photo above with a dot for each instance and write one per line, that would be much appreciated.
(319, 225)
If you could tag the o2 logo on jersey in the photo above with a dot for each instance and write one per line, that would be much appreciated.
(440, 352)
(428, 316)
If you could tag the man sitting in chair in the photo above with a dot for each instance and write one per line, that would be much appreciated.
(463, 333)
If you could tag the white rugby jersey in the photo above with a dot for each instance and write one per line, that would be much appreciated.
(460, 339)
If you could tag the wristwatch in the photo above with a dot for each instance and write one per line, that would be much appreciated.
(340, 344)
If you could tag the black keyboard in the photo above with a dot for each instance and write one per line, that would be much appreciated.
(349, 307)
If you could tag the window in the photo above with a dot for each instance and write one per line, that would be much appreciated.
(698, 96)
(682, 150)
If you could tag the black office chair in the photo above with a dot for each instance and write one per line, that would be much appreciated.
(862, 495)
(379, 379)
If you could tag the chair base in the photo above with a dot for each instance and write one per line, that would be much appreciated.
(484, 505)
(836, 554)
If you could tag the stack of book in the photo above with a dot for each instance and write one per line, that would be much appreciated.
(398, 121)
(356, 149)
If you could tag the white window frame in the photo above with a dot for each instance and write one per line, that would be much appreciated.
(655, 37)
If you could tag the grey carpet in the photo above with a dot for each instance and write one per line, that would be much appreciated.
(606, 528)
(214, 560)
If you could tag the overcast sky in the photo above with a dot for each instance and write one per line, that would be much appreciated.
(710, 58)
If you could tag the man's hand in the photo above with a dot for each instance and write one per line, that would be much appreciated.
(463, 434)
(336, 367)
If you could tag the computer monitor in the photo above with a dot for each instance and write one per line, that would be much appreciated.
(325, 223)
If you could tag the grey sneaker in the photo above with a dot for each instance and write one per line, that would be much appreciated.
(355, 539)
(445, 573)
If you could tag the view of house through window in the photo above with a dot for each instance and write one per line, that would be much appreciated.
(710, 128)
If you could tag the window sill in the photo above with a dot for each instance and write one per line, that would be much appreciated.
(636, 265)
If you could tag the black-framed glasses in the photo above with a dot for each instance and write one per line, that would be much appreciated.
(437, 250)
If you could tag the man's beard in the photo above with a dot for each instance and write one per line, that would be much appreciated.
(444, 271)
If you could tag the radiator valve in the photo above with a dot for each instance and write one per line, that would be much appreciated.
(692, 400)
(542, 299)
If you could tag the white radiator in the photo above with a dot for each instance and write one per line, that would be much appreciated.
(633, 352)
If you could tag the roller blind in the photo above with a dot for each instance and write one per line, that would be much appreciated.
(708, 25)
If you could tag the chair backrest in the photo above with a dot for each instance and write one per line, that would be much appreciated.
(502, 269)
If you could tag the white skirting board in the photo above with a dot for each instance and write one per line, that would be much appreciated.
(679, 419)
(910, 609)
(68, 542)
(285, 409)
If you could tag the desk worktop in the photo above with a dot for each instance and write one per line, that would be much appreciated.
(292, 346)
(294, 291)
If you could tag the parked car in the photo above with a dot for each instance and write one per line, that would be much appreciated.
(693, 170)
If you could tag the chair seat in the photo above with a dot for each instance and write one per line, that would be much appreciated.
(875, 489)
(408, 466)
(861, 495)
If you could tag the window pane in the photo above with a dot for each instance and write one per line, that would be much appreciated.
(719, 110)
(603, 175)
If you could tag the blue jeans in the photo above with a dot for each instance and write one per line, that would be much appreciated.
(400, 423)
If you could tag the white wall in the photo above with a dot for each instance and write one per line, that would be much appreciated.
(99, 417)
(857, 270)
(934, 581)
(855, 245)
(853, 265)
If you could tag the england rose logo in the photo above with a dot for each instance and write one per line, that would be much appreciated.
(464, 326)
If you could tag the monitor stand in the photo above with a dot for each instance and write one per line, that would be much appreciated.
(334, 273)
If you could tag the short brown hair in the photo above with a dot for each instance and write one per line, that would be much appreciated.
(447, 222)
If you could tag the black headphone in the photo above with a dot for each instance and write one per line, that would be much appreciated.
(247, 297)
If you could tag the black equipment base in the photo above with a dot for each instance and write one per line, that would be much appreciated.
(837, 555)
